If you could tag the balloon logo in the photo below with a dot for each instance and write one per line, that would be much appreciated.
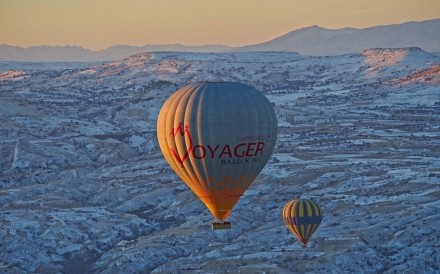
(217, 137)
(303, 218)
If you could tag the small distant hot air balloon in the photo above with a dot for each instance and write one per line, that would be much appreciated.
(302, 217)
(217, 137)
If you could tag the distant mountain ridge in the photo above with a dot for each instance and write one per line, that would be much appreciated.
(79, 54)
(318, 41)
(314, 41)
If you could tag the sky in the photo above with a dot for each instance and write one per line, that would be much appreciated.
(99, 24)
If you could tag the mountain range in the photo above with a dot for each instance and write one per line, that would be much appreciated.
(313, 41)
(317, 41)
(80, 54)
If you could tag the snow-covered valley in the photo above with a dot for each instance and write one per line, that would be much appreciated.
(85, 189)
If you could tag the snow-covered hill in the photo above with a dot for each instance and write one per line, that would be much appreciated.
(85, 189)
(397, 62)
(318, 41)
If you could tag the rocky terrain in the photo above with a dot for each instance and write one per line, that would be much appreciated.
(85, 189)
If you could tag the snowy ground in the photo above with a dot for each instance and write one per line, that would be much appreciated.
(84, 188)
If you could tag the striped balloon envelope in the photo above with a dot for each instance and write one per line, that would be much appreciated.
(217, 137)
(303, 218)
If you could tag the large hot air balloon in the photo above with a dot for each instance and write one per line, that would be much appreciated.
(217, 137)
(302, 217)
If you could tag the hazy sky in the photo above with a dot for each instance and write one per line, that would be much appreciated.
(98, 24)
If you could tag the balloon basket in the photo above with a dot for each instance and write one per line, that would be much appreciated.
(221, 225)
(304, 243)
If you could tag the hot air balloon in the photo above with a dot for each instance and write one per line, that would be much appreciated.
(217, 137)
(302, 217)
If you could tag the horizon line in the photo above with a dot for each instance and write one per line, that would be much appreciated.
(209, 45)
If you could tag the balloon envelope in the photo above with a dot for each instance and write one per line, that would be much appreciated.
(217, 137)
(302, 217)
